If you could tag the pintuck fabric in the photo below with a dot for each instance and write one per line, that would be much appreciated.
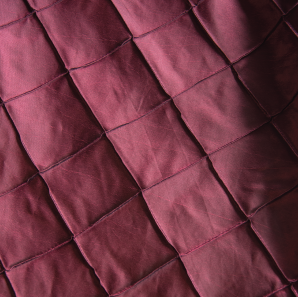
(148, 148)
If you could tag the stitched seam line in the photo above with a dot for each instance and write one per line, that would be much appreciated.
(200, 146)
(214, 238)
(56, 205)
(266, 114)
(144, 278)
(29, 14)
(131, 39)
(144, 190)
(280, 289)
(7, 279)
(260, 238)
(181, 255)
(108, 131)
(144, 115)
(291, 28)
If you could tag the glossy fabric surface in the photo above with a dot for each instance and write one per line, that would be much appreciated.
(148, 148)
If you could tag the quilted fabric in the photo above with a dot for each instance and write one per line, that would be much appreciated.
(148, 148)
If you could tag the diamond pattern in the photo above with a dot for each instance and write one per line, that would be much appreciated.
(107, 127)
(60, 273)
(25, 67)
(126, 246)
(186, 202)
(62, 124)
(222, 259)
(274, 64)
(147, 157)
(119, 87)
(174, 274)
(16, 166)
(274, 223)
(12, 11)
(245, 33)
(216, 110)
(94, 25)
(30, 223)
(172, 54)
(90, 184)
(142, 17)
(257, 169)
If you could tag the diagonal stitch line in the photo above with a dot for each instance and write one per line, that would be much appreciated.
(114, 210)
(48, 6)
(111, 144)
(54, 165)
(18, 20)
(67, 72)
(7, 278)
(178, 171)
(214, 238)
(114, 50)
(183, 169)
(10, 284)
(72, 237)
(280, 289)
(35, 89)
(285, 14)
(144, 278)
(89, 263)
(273, 200)
(183, 255)
(73, 154)
(200, 147)
(285, 138)
(103, 217)
(278, 7)
(68, 241)
(26, 151)
(111, 130)
(29, 14)
(268, 250)
(246, 87)
(287, 106)
(19, 186)
(122, 162)
(191, 278)
(156, 221)
(108, 131)
(266, 113)
(292, 29)
(38, 256)
(56, 205)
(101, 58)
(165, 24)
(228, 60)
(189, 252)
(130, 39)
(294, 290)
(168, 240)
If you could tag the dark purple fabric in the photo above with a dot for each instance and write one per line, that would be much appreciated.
(148, 148)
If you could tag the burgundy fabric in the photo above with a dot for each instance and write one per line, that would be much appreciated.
(148, 148)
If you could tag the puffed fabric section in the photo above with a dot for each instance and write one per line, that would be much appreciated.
(148, 148)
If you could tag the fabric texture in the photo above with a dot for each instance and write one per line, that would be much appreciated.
(148, 148)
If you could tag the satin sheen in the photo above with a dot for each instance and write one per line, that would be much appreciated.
(148, 148)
